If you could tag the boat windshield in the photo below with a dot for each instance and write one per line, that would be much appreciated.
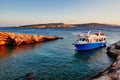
(83, 39)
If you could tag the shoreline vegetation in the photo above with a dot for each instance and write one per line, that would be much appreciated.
(63, 25)
(113, 71)
(10, 38)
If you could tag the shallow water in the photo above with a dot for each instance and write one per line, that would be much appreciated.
(56, 60)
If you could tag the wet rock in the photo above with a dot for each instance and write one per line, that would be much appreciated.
(117, 46)
(112, 54)
(6, 40)
(112, 51)
(60, 37)
(102, 78)
(30, 75)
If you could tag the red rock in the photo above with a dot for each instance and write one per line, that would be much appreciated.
(9, 38)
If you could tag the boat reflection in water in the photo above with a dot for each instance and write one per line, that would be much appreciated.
(95, 59)
(91, 55)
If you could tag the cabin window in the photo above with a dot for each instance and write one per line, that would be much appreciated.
(96, 40)
(100, 40)
(83, 40)
(80, 39)
(87, 40)
(104, 39)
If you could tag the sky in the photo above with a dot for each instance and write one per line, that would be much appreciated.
(23, 12)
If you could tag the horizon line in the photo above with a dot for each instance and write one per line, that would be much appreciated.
(59, 22)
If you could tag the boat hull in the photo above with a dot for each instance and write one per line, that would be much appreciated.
(89, 46)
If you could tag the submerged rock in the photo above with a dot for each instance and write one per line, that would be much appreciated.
(9, 38)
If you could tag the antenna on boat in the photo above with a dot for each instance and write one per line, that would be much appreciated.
(89, 32)
(99, 32)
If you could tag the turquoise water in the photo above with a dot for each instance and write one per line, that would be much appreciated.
(55, 60)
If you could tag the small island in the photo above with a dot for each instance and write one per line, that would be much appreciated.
(47, 25)
(63, 25)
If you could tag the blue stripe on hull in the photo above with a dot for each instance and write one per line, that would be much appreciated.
(89, 46)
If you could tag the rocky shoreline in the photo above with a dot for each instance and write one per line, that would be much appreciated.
(113, 71)
(10, 38)
(113, 51)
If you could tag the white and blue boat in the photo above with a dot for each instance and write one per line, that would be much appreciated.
(90, 41)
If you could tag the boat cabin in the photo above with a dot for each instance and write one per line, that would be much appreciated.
(91, 38)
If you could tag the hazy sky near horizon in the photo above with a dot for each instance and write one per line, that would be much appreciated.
(20, 12)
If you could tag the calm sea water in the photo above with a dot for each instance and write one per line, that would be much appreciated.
(55, 60)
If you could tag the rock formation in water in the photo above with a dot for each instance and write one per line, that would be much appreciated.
(113, 71)
(9, 38)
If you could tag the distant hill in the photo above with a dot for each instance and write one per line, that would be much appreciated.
(63, 25)
(92, 25)
(47, 25)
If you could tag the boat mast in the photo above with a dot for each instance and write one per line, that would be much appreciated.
(88, 32)
(99, 33)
